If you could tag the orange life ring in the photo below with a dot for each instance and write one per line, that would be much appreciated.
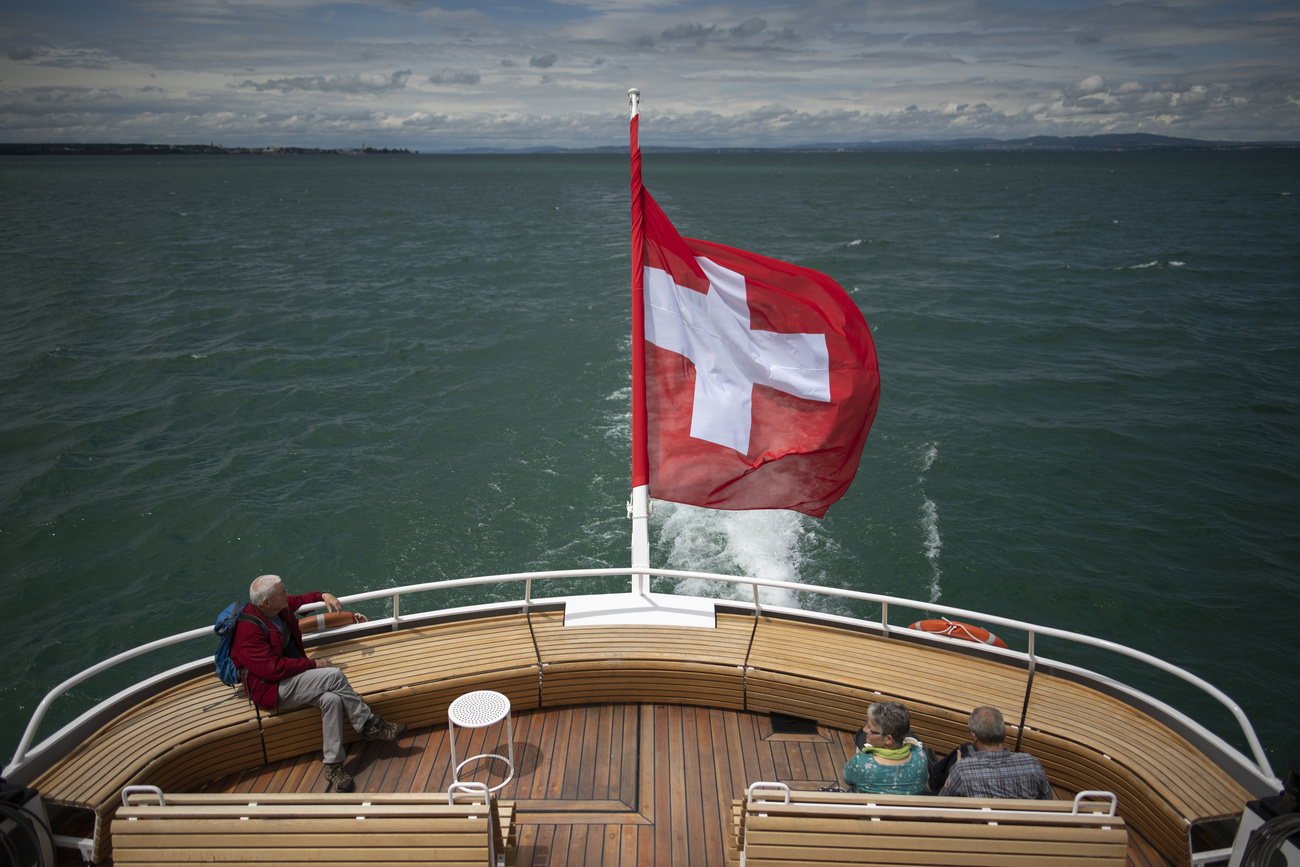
(334, 619)
(957, 629)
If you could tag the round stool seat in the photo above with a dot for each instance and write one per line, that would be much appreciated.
(474, 710)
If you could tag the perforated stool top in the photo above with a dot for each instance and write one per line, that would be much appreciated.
(474, 710)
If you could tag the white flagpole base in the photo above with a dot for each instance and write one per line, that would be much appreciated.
(639, 512)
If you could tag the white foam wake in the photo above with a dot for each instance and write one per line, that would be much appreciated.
(931, 541)
(763, 544)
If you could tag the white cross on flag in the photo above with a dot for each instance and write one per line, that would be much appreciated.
(761, 377)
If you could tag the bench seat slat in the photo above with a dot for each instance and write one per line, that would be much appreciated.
(783, 858)
(303, 840)
(885, 833)
(449, 858)
(939, 820)
(219, 812)
(429, 799)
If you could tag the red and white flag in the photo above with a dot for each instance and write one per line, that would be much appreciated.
(760, 376)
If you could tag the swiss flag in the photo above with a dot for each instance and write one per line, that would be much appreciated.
(761, 377)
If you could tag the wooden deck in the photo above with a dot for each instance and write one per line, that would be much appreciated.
(614, 784)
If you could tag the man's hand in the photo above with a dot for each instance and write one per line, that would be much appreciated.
(331, 602)
(323, 663)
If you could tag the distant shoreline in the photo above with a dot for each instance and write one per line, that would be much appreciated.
(112, 149)
(1111, 142)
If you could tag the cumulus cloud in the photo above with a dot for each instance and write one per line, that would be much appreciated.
(1086, 87)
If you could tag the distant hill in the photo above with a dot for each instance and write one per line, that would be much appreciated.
(135, 149)
(1113, 141)
(1110, 142)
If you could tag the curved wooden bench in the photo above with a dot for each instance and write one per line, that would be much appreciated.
(275, 829)
(1084, 739)
(834, 828)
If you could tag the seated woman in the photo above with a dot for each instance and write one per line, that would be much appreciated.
(891, 763)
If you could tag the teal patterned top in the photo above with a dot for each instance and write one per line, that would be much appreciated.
(863, 773)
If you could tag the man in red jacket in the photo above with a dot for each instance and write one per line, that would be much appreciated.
(279, 674)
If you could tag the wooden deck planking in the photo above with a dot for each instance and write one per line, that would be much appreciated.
(609, 785)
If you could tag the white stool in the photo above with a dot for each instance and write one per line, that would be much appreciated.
(476, 710)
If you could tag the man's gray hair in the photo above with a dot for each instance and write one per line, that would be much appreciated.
(262, 588)
(986, 724)
(890, 718)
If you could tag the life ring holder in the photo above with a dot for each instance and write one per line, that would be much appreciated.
(958, 629)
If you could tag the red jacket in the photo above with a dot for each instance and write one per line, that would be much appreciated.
(263, 653)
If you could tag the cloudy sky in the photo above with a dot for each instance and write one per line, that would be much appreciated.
(449, 74)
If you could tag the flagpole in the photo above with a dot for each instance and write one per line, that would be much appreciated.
(639, 507)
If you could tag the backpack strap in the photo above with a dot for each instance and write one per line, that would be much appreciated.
(243, 672)
(248, 618)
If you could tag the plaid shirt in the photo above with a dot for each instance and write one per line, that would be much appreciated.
(998, 774)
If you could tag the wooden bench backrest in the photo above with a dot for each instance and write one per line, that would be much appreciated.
(918, 830)
(651, 664)
(316, 829)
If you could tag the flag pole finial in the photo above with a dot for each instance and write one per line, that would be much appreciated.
(634, 100)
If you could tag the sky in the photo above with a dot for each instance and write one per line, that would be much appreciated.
(452, 74)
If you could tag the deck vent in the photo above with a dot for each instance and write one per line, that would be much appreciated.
(792, 725)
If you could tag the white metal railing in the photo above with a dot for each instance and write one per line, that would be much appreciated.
(527, 578)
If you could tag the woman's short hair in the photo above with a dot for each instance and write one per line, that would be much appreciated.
(890, 718)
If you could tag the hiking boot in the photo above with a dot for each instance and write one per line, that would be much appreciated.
(341, 779)
(378, 730)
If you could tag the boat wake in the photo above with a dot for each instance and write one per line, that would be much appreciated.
(930, 524)
(764, 544)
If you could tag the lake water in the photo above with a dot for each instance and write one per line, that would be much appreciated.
(363, 372)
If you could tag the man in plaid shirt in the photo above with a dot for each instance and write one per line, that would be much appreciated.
(992, 771)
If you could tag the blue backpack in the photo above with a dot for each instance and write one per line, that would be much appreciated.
(225, 627)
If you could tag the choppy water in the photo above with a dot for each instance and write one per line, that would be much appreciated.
(366, 372)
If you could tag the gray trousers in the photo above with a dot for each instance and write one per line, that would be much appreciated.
(328, 688)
